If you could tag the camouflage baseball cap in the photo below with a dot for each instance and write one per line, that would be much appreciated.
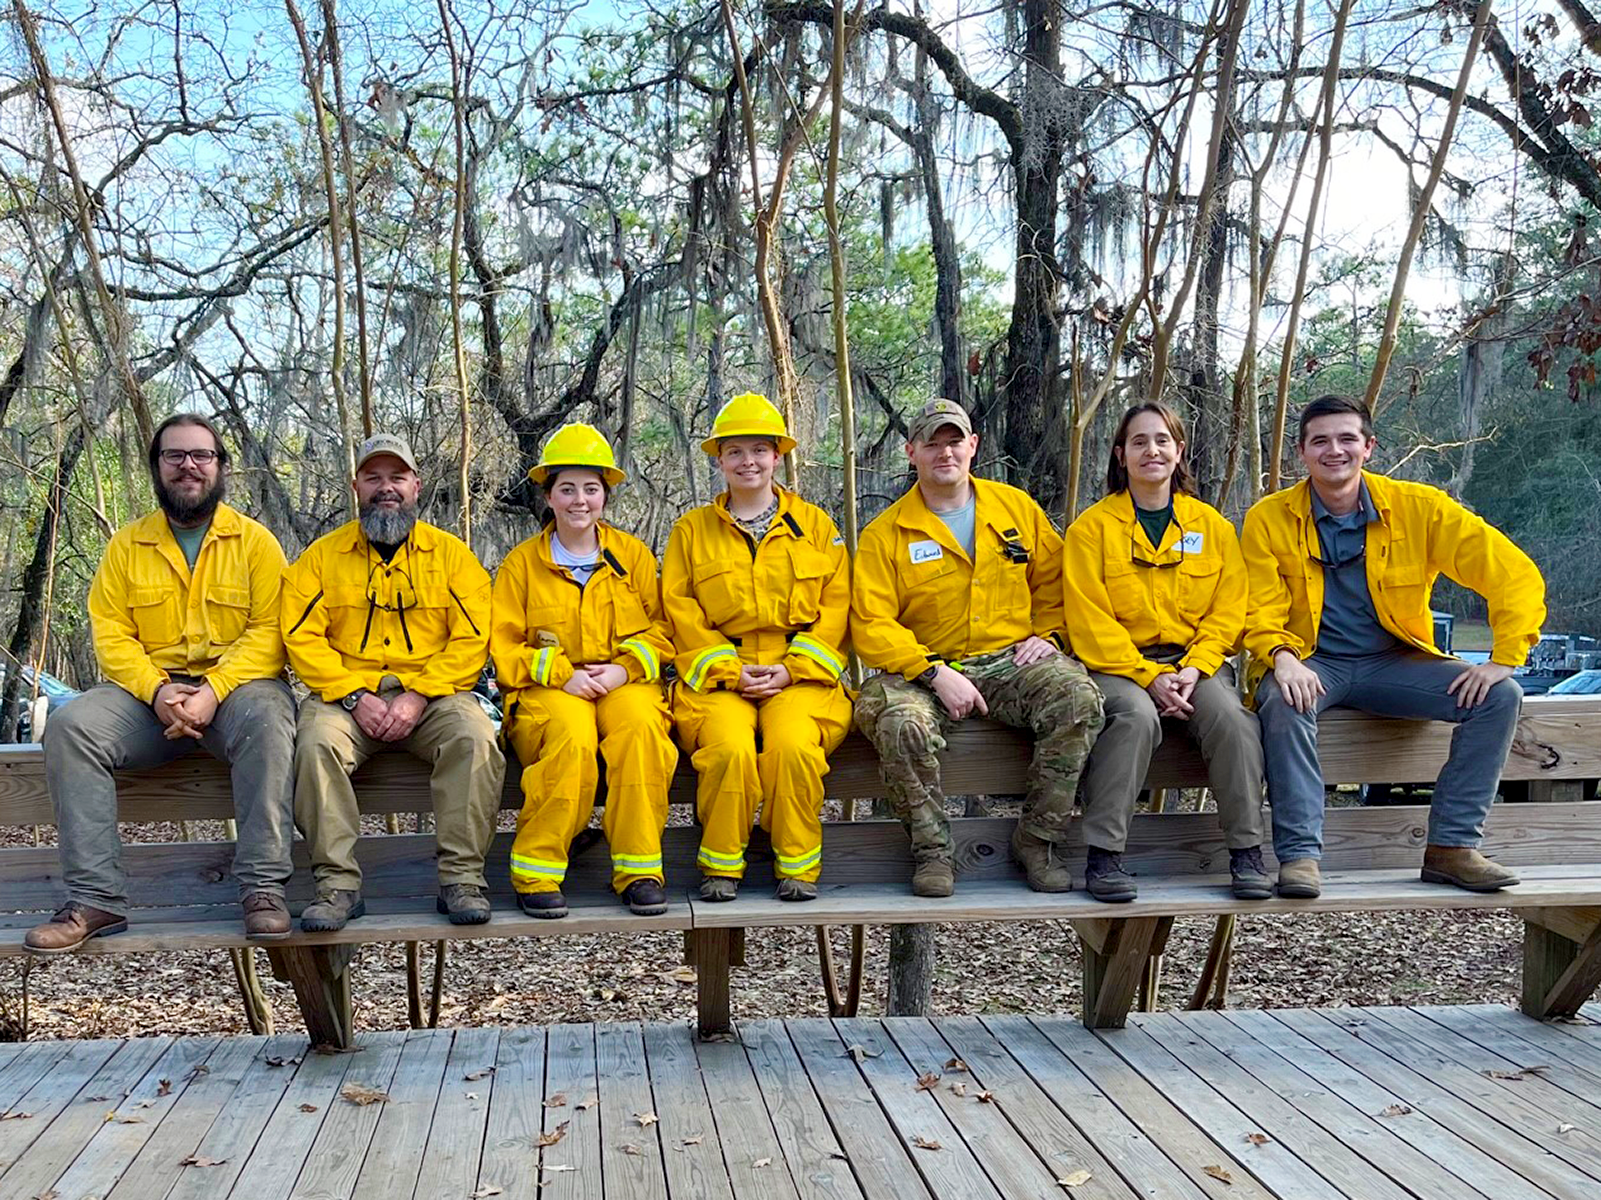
(935, 414)
(385, 443)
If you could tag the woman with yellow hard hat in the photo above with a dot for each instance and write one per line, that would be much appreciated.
(756, 586)
(579, 642)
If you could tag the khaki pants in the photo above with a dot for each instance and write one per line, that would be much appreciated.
(1221, 725)
(453, 734)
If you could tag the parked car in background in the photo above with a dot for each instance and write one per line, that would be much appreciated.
(1585, 683)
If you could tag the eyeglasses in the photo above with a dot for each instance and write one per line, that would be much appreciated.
(201, 458)
(1175, 554)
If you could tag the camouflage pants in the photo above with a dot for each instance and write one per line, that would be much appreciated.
(1054, 698)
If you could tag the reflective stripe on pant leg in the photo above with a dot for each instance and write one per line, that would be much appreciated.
(719, 730)
(640, 761)
(800, 727)
(553, 733)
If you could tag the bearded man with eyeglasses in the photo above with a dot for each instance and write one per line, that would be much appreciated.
(386, 620)
(184, 612)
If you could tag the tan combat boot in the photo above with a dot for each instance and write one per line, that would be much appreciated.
(934, 878)
(1299, 879)
(1046, 872)
(1466, 868)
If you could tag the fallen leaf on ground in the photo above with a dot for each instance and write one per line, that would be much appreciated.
(1562, 1128)
(164, 1088)
(308, 1108)
(985, 1097)
(630, 1148)
(129, 1120)
(680, 975)
(927, 1080)
(1520, 1073)
(959, 1088)
(587, 1103)
(554, 1136)
(1258, 1139)
(1076, 1179)
(483, 1073)
(1219, 1174)
(1396, 1110)
(762, 1162)
(273, 1060)
(16, 1114)
(360, 1093)
(194, 1160)
(472, 1095)
(52, 1194)
(955, 1064)
(696, 1140)
(487, 1190)
(857, 1053)
(559, 1100)
(646, 1120)
(565, 1167)
(199, 1069)
(923, 1143)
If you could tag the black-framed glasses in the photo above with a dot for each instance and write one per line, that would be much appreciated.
(201, 458)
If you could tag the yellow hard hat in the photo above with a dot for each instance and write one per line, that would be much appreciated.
(577, 445)
(749, 415)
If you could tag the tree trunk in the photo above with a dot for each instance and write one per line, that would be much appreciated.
(911, 971)
(30, 610)
(942, 241)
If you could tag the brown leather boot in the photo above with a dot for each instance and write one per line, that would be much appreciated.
(1299, 879)
(1045, 869)
(934, 878)
(1466, 868)
(266, 916)
(71, 927)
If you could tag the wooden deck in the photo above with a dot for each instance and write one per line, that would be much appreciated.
(1471, 1103)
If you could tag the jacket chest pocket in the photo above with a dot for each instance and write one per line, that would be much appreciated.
(628, 615)
(1125, 587)
(810, 569)
(1199, 576)
(157, 616)
(721, 589)
(1005, 588)
(227, 614)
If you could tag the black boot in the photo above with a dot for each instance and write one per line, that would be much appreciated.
(1105, 878)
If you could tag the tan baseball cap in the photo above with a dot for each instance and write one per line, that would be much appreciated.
(385, 443)
(935, 414)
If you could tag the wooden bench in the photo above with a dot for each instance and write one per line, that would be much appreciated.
(186, 898)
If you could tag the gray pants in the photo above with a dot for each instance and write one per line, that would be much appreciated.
(106, 730)
(1221, 725)
(1395, 683)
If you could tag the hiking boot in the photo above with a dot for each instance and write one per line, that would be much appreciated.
(463, 903)
(1299, 879)
(1105, 878)
(1466, 868)
(550, 904)
(331, 909)
(718, 888)
(266, 916)
(645, 898)
(934, 878)
(1250, 874)
(795, 889)
(72, 926)
(1046, 872)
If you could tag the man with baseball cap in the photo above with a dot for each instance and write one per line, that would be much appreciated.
(386, 620)
(958, 599)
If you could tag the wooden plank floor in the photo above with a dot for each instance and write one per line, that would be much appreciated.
(1465, 1103)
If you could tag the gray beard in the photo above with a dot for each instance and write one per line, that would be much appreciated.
(391, 526)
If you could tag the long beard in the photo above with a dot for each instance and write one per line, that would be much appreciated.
(192, 512)
(391, 526)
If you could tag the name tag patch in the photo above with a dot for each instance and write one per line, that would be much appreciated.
(1192, 543)
(926, 551)
(545, 637)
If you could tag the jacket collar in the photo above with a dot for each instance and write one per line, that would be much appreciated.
(1122, 506)
(784, 520)
(152, 528)
(608, 547)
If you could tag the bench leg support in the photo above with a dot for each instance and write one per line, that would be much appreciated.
(321, 979)
(714, 952)
(1559, 973)
(1115, 955)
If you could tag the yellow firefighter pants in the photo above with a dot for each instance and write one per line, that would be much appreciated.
(556, 736)
(798, 728)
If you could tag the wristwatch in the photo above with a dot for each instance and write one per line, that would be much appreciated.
(349, 702)
(927, 677)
